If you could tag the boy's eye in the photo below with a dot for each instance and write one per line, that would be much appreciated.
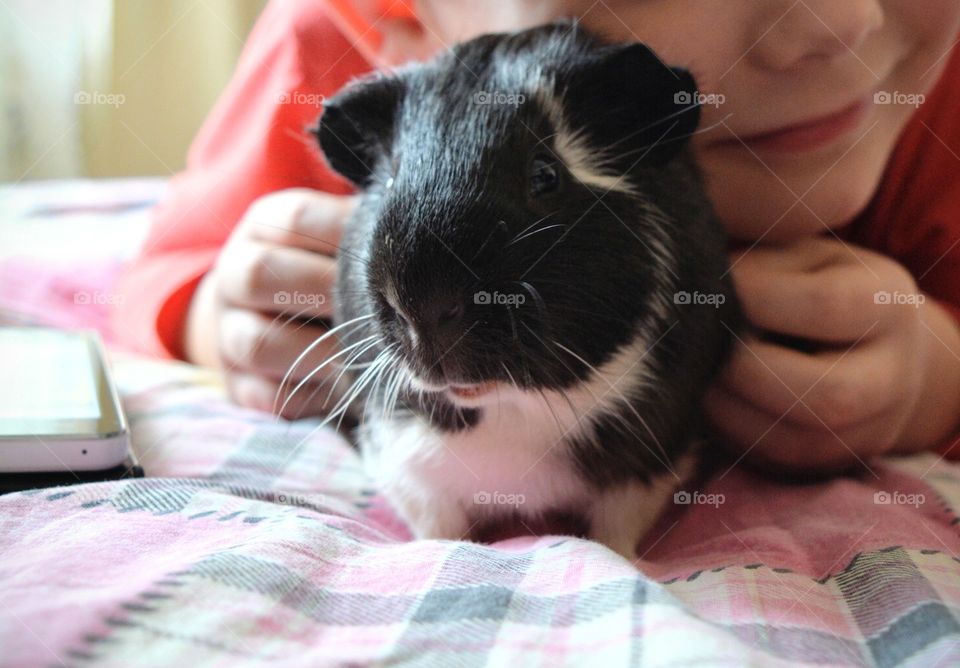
(544, 176)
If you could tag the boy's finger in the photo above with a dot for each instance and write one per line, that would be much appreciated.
(269, 347)
(300, 219)
(837, 304)
(776, 442)
(838, 388)
(264, 394)
(279, 279)
(800, 257)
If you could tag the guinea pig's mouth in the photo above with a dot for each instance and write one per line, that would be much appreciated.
(471, 391)
(463, 392)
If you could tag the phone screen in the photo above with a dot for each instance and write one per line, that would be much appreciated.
(47, 375)
(53, 383)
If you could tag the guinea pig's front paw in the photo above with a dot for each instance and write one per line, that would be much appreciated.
(433, 518)
(621, 516)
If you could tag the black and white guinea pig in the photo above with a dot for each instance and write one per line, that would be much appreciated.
(532, 293)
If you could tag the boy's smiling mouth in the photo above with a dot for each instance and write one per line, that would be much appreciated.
(809, 135)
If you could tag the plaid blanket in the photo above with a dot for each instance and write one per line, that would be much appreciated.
(256, 540)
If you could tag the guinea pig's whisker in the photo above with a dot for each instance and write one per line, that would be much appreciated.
(626, 402)
(501, 225)
(556, 418)
(377, 388)
(349, 366)
(370, 343)
(313, 345)
(291, 318)
(543, 139)
(609, 315)
(400, 383)
(537, 231)
(510, 376)
(285, 323)
(384, 377)
(297, 362)
(562, 392)
(578, 415)
(391, 389)
(390, 378)
(650, 126)
(598, 400)
(351, 394)
(515, 333)
(379, 367)
(685, 137)
(538, 300)
(610, 311)
(530, 227)
(376, 370)
(513, 328)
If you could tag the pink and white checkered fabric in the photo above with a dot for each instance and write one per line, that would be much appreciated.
(254, 540)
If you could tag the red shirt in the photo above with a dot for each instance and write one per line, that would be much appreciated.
(254, 142)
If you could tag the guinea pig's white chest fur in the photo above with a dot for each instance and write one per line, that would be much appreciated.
(515, 464)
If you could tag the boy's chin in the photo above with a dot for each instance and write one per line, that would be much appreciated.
(835, 202)
(755, 204)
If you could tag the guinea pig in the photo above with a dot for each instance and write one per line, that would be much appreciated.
(532, 293)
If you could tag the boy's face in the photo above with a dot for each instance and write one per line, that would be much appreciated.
(806, 98)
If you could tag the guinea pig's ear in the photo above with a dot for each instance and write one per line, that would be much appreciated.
(627, 99)
(356, 127)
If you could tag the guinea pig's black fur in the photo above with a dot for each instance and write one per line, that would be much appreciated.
(531, 213)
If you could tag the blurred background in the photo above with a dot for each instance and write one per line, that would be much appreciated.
(107, 88)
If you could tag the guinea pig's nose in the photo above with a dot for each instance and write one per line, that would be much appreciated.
(443, 317)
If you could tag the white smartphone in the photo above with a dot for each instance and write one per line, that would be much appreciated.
(59, 408)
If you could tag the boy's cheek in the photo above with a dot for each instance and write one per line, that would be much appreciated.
(930, 25)
(455, 21)
(929, 30)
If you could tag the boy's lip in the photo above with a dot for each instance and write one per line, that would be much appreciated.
(808, 135)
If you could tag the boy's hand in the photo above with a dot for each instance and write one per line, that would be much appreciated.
(884, 374)
(265, 300)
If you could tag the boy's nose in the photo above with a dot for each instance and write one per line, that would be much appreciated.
(790, 33)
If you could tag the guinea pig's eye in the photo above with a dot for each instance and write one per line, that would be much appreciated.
(544, 175)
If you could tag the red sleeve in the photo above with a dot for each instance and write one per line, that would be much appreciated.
(253, 142)
(915, 215)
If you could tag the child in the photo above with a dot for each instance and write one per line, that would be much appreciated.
(832, 155)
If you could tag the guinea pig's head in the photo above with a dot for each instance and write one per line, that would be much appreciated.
(512, 190)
